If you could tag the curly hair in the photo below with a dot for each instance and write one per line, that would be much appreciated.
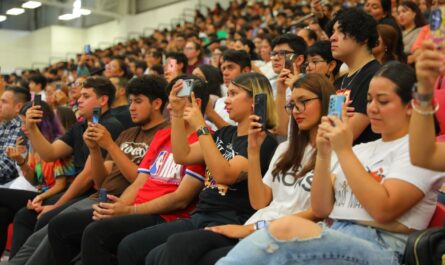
(356, 24)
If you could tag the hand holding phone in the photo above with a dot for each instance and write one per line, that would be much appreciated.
(335, 105)
(187, 88)
(260, 108)
(96, 115)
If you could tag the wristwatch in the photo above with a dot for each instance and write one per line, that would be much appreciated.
(203, 131)
(259, 225)
(423, 99)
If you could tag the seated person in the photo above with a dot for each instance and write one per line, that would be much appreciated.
(225, 198)
(372, 192)
(284, 190)
(48, 178)
(162, 191)
(96, 92)
(11, 101)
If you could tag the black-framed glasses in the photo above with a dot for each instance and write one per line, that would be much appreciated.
(313, 63)
(280, 53)
(299, 106)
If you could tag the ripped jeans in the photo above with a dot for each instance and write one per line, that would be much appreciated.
(344, 243)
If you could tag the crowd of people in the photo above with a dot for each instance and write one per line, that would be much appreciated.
(150, 151)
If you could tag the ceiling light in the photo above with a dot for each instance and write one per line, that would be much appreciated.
(2, 18)
(15, 11)
(85, 12)
(31, 4)
(68, 16)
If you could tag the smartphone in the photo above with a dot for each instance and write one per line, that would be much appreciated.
(289, 61)
(58, 87)
(437, 26)
(335, 104)
(187, 88)
(87, 49)
(23, 135)
(103, 195)
(37, 100)
(171, 65)
(260, 108)
(96, 114)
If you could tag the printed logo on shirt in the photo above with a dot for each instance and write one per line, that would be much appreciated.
(228, 153)
(344, 197)
(165, 169)
(135, 150)
(345, 92)
(289, 180)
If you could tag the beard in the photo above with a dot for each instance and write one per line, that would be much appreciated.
(143, 121)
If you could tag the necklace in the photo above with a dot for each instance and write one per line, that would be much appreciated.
(347, 86)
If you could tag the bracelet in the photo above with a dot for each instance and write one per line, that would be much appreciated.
(422, 112)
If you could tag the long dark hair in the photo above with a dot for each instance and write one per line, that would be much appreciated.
(213, 78)
(419, 20)
(50, 125)
(292, 158)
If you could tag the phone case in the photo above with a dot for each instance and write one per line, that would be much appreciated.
(437, 26)
(187, 87)
(288, 61)
(260, 108)
(37, 100)
(102, 195)
(96, 114)
(335, 102)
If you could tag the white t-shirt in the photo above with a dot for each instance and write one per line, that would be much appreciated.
(385, 160)
(289, 195)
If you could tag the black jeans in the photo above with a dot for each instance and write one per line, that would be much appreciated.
(190, 248)
(134, 249)
(97, 241)
(11, 201)
(26, 222)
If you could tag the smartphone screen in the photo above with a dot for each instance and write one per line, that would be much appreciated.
(103, 195)
(260, 108)
(96, 114)
(289, 61)
(335, 104)
(87, 49)
(437, 26)
(37, 100)
(187, 87)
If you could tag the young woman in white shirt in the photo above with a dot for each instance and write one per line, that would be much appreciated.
(372, 193)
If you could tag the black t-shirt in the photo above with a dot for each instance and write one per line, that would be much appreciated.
(122, 114)
(232, 199)
(74, 138)
(356, 88)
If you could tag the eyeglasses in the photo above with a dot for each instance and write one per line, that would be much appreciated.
(280, 54)
(313, 64)
(299, 106)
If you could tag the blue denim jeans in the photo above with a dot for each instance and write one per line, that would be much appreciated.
(344, 243)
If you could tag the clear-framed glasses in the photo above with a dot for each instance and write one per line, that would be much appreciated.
(299, 106)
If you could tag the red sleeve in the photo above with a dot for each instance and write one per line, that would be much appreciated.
(144, 166)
